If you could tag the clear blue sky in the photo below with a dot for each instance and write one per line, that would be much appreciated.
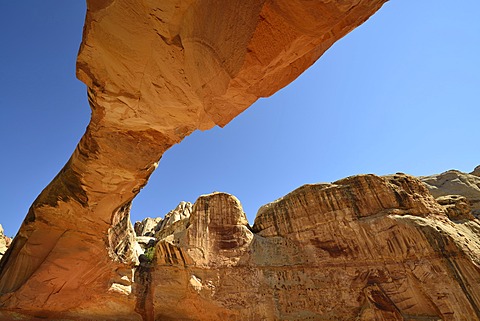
(398, 94)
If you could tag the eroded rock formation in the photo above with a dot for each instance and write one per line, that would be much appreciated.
(456, 187)
(4, 242)
(156, 71)
(362, 248)
(152, 227)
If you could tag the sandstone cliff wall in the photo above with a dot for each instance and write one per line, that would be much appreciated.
(362, 248)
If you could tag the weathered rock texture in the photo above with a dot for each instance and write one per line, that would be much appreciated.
(156, 71)
(4, 242)
(148, 226)
(151, 226)
(455, 186)
(150, 229)
(362, 248)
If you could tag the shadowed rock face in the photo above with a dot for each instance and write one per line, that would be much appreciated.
(362, 248)
(156, 71)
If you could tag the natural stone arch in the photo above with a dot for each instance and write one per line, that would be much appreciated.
(155, 72)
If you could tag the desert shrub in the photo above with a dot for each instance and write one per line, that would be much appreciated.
(150, 253)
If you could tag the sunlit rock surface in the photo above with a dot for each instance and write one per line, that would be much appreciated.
(362, 248)
(155, 71)
(4, 242)
(454, 182)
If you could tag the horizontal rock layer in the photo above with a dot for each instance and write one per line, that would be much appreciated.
(155, 71)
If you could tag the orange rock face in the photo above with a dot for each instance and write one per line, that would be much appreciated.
(362, 248)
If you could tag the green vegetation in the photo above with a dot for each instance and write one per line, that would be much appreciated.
(150, 253)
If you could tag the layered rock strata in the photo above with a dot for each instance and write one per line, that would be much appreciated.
(155, 71)
(362, 248)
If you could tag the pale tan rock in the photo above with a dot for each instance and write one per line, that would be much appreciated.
(362, 248)
(155, 71)
(174, 220)
(454, 182)
(4, 242)
(457, 207)
(215, 233)
(150, 227)
(147, 227)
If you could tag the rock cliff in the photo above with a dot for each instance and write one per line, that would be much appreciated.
(362, 248)
(155, 71)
